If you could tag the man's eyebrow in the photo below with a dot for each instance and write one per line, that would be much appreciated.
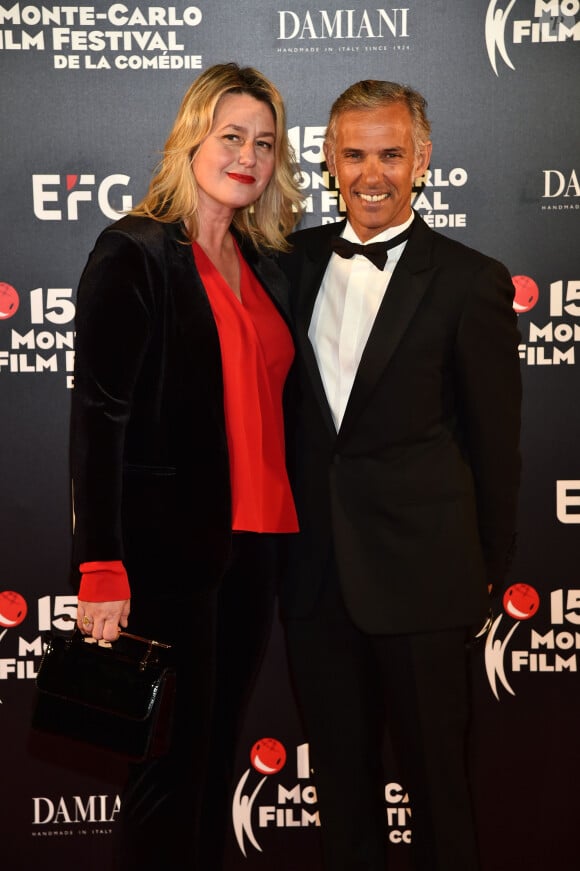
(388, 149)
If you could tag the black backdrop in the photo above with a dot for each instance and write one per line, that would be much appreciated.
(88, 95)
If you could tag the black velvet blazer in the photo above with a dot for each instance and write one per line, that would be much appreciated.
(148, 443)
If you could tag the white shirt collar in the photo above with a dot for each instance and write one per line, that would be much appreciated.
(384, 236)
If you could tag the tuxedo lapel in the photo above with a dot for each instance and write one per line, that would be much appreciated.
(406, 289)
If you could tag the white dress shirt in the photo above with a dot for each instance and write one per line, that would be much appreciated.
(349, 298)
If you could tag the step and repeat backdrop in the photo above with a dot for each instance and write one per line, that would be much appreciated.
(88, 94)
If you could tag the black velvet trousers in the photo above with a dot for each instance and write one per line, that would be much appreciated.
(175, 809)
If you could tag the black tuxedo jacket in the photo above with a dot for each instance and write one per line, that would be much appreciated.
(416, 494)
(148, 443)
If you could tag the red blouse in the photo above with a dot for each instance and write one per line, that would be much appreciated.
(257, 352)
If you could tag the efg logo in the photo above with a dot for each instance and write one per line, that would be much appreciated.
(553, 21)
(57, 197)
(540, 652)
(568, 501)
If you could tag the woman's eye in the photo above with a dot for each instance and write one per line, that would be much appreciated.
(267, 146)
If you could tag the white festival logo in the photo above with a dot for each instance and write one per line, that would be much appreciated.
(268, 756)
(554, 21)
(520, 601)
(242, 813)
(494, 658)
(495, 23)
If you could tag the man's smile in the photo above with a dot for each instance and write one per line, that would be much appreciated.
(373, 198)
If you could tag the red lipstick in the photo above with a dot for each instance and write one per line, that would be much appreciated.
(243, 179)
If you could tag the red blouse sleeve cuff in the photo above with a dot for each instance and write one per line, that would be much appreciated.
(105, 581)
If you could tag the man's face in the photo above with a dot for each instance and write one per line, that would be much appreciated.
(375, 164)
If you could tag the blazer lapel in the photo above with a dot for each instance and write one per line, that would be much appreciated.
(267, 270)
(406, 289)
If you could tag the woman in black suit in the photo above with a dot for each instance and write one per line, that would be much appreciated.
(177, 441)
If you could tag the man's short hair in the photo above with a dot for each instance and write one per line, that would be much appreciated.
(373, 94)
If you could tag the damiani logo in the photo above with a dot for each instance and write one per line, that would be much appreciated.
(554, 21)
(560, 184)
(91, 809)
(344, 24)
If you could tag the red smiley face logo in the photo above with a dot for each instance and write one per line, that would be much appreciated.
(521, 601)
(268, 756)
(13, 608)
(9, 301)
(527, 293)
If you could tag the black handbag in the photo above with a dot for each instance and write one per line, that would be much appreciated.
(115, 695)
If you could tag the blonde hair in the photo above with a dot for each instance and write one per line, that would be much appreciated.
(373, 94)
(173, 196)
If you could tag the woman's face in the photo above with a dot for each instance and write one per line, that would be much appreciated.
(235, 162)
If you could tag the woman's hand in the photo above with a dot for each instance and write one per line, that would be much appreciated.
(103, 620)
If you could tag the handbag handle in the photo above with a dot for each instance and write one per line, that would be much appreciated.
(150, 642)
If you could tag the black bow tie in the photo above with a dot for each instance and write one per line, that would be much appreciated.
(376, 252)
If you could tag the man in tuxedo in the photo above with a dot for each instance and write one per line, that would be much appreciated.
(406, 471)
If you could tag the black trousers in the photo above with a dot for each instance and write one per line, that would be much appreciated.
(175, 809)
(350, 687)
